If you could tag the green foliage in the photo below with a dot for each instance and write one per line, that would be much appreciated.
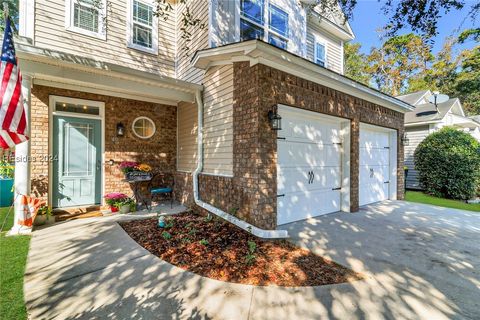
(203, 242)
(45, 210)
(7, 169)
(166, 235)
(13, 257)
(13, 13)
(420, 197)
(448, 162)
(356, 66)
(250, 256)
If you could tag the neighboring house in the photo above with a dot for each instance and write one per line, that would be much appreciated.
(89, 73)
(425, 119)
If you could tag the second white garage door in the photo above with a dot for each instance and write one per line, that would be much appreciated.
(377, 163)
(309, 165)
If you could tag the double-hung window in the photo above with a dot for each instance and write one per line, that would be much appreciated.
(267, 23)
(86, 17)
(320, 54)
(142, 26)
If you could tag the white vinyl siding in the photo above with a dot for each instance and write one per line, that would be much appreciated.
(51, 34)
(187, 131)
(198, 40)
(415, 136)
(218, 121)
(333, 47)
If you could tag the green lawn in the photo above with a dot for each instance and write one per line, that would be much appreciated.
(13, 256)
(416, 196)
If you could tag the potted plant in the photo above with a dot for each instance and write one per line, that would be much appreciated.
(125, 205)
(136, 171)
(113, 198)
(6, 183)
(44, 216)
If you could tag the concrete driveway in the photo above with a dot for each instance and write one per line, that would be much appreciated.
(420, 263)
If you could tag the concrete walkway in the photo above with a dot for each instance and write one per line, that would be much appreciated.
(420, 261)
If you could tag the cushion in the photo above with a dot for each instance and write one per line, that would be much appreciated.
(161, 190)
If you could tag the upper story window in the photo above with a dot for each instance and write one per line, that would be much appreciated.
(320, 54)
(142, 26)
(258, 23)
(86, 17)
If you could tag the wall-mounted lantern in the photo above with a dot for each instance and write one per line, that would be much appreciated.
(275, 119)
(405, 140)
(120, 129)
(111, 162)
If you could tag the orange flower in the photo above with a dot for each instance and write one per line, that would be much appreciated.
(144, 167)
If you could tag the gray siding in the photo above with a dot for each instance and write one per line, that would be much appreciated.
(415, 136)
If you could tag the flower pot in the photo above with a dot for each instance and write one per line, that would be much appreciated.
(114, 209)
(40, 220)
(125, 209)
(50, 220)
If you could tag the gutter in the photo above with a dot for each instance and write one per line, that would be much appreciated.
(261, 233)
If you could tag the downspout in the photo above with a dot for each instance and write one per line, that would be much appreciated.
(261, 233)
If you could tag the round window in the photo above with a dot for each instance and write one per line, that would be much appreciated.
(143, 127)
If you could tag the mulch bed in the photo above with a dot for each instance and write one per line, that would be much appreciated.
(216, 249)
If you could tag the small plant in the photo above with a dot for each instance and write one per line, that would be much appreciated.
(203, 242)
(192, 231)
(6, 170)
(185, 240)
(250, 256)
(123, 202)
(208, 218)
(166, 235)
(112, 198)
(169, 223)
(45, 210)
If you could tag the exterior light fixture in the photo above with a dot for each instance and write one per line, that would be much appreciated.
(120, 129)
(405, 140)
(111, 162)
(275, 119)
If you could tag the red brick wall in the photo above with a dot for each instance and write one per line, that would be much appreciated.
(158, 151)
(251, 193)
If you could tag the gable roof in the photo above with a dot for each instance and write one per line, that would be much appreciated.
(414, 97)
(258, 51)
(427, 113)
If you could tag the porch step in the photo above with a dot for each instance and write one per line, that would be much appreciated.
(66, 214)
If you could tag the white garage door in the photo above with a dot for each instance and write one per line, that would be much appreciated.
(308, 166)
(375, 166)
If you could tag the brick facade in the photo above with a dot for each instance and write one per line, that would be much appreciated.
(251, 193)
(158, 151)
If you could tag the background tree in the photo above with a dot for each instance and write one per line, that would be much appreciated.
(356, 66)
(398, 59)
(13, 12)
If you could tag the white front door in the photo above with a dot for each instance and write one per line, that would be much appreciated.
(309, 165)
(375, 168)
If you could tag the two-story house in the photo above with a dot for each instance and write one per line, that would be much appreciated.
(119, 83)
(427, 118)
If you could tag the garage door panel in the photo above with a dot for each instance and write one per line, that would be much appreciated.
(303, 205)
(297, 179)
(294, 154)
(308, 166)
(311, 131)
(374, 170)
(374, 156)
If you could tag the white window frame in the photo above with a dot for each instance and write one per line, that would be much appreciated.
(324, 44)
(266, 20)
(149, 120)
(130, 44)
(70, 26)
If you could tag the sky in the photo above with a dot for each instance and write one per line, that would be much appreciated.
(368, 17)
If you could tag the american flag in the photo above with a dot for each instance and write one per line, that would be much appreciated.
(13, 122)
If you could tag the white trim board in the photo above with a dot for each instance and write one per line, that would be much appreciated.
(51, 113)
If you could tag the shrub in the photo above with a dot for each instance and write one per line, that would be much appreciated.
(448, 162)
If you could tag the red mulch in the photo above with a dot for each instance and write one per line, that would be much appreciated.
(223, 256)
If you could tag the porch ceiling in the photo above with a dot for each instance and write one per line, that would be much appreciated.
(53, 68)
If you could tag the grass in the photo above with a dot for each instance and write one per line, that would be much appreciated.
(13, 256)
(420, 197)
